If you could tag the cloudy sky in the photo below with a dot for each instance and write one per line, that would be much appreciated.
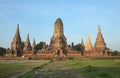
(79, 17)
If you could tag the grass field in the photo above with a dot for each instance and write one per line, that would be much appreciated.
(97, 68)
(10, 68)
(60, 69)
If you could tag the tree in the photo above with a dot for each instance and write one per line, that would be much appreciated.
(39, 46)
(77, 47)
(2, 51)
(115, 53)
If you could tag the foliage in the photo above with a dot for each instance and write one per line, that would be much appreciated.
(39, 46)
(2, 51)
(115, 53)
(77, 47)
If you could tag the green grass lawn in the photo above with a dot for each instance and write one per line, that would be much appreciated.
(9, 68)
(97, 68)
(88, 68)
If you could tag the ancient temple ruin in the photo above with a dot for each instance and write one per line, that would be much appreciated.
(27, 44)
(58, 47)
(33, 45)
(16, 45)
(58, 44)
(100, 45)
(88, 46)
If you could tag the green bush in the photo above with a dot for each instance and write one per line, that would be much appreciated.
(2, 51)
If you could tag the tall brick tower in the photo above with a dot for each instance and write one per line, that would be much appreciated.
(100, 44)
(58, 44)
(16, 46)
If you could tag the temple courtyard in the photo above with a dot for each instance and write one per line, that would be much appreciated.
(92, 68)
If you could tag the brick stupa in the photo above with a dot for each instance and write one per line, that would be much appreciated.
(100, 44)
(16, 45)
(27, 45)
(58, 44)
(88, 46)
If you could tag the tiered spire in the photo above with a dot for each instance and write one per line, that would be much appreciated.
(58, 44)
(99, 44)
(33, 45)
(16, 43)
(27, 45)
(83, 46)
(17, 34)
(88, 46)
(58, 28)
(82, 43)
